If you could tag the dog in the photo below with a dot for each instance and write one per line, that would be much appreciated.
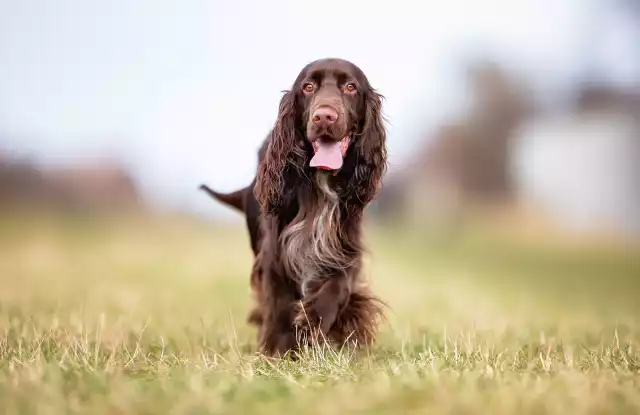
(318, 168)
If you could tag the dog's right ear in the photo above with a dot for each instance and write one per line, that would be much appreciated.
(281, 151)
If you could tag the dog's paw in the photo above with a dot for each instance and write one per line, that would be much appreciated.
(306, 322)
(255, 317)
(358, 323)
(304, 315)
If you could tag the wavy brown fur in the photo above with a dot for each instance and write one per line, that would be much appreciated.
(305, 224)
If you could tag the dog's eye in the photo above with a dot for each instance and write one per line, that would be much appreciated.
(351, 88)
(308, 87)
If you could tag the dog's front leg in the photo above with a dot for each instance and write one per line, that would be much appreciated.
(323, 299)
(277, 335)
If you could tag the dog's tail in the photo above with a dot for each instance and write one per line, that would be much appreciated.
(234, 199)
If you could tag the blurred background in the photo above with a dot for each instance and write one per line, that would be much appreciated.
(507, 229)
(527, 109)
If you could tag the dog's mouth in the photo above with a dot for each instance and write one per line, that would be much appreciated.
(329, 153)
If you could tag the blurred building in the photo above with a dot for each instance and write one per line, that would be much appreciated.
(583, 167)
(95, 187)
(578, 166)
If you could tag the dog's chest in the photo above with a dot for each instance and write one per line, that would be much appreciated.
(311, 244)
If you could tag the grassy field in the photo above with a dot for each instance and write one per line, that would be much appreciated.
(148, 317)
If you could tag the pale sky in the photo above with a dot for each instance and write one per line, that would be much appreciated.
(186, 91)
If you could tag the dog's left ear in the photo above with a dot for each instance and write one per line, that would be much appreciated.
(372, 151)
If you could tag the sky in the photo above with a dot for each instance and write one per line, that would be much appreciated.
(186, 91)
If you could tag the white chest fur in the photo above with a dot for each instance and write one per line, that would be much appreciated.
(313, 243)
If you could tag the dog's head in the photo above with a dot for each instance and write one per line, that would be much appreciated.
(331, 98)
(330, 114)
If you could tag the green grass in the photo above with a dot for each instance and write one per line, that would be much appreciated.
(148, 317)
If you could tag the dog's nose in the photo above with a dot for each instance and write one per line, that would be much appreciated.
(324, 116)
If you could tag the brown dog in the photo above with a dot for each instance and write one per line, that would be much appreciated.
(318, 169)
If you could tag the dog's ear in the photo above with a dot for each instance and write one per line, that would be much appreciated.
(282, 152)
(371, 151)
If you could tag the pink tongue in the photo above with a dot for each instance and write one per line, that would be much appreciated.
(328, 155)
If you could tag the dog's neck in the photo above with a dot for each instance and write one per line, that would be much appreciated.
(323, 187)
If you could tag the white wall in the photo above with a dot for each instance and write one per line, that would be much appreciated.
(585, 171)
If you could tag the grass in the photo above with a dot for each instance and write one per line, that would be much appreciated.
(148, 317)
